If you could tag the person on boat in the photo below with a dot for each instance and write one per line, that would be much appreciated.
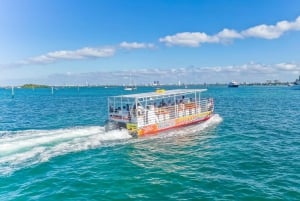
(111, 109)
(183, 99)
(210, 104)
(140, 109)
(181, 105)
(119, 111)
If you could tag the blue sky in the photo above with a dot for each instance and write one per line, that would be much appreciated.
(106, 42)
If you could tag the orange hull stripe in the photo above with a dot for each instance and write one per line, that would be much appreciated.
(154, 131)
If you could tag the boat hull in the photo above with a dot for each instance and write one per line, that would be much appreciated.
(169, 124)
(296, 87)
(233, 84)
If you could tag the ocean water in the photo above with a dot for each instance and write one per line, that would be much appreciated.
(53, 147)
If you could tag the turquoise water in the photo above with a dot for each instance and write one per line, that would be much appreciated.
(53, 147)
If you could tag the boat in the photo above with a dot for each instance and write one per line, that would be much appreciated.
(129, 88)
(296, 84)
(233, 84)
(152, 112)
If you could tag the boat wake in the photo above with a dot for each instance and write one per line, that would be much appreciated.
(20, 149)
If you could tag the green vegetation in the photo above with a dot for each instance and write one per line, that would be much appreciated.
(34, 86)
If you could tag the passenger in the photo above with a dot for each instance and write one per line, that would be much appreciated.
(140, 109)
(134, 109)
(111, 109)
(162, 103)
(119, 110)
(210, 104)
(181, 105)
(125, 112)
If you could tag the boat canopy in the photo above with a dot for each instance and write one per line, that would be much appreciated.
(165, 93)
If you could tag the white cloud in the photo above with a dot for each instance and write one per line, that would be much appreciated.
(83, 53)
(263, 31)
(226, 34)
(135, 45)
(191, 39)
(195, 39)
(288, 67)
(272, 31)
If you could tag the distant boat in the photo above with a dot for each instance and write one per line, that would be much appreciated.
(233, 84)
(129, 88)
(296, 84)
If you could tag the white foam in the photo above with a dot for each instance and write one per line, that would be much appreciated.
(24, 148)
(213, 121)
(196, 128)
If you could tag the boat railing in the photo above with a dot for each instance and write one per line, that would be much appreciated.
(152, 114)
(120, 115)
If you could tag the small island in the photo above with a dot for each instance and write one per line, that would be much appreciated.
(34, 86)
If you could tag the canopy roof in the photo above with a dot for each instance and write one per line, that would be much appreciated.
(173, 92)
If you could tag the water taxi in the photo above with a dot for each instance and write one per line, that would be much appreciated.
(152, 112)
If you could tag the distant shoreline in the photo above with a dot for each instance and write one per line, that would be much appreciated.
(34, 86)
(42, 86)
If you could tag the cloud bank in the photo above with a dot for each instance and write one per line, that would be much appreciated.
(250, 72)
(195, 39)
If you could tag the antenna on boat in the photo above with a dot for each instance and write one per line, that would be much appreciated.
(12, 92)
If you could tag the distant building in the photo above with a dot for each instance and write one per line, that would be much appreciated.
(156, 83)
